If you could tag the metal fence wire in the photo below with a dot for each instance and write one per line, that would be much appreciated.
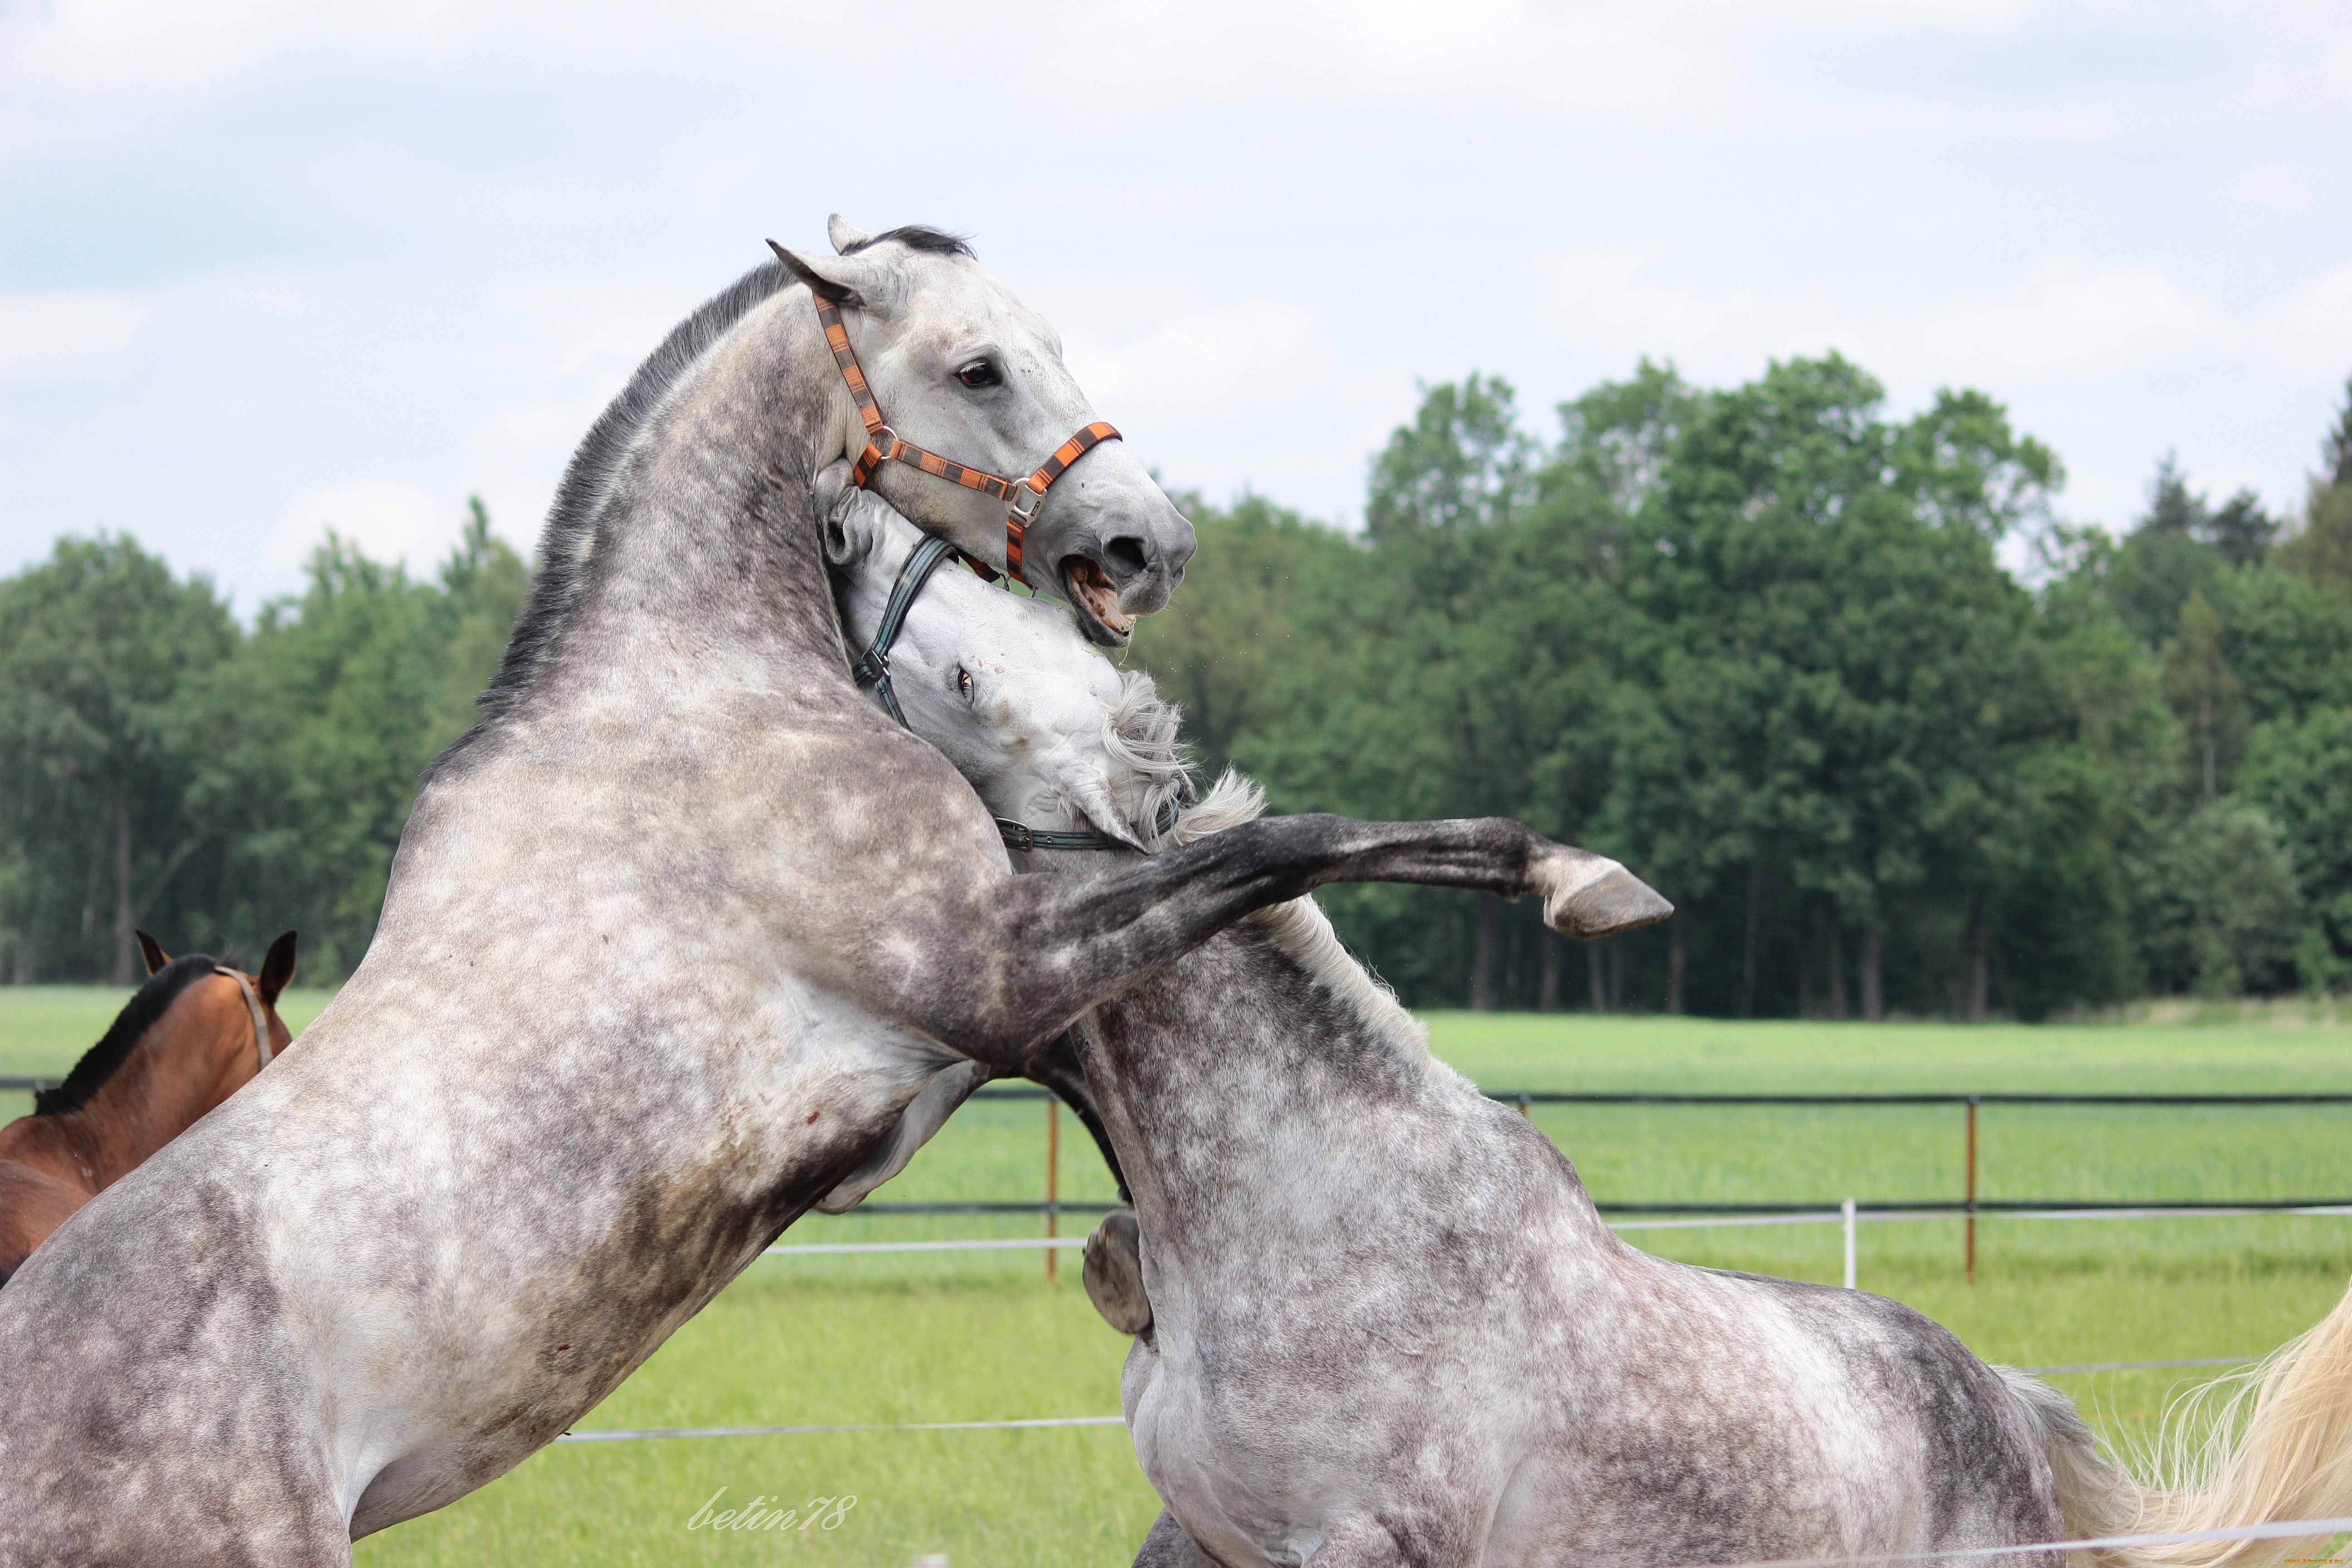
(1849, 1212)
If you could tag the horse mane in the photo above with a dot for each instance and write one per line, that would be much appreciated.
(570, 536)
(1141, 733)
(104, 1059)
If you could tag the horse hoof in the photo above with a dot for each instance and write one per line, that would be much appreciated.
(1114, 1273)
(1588, 895)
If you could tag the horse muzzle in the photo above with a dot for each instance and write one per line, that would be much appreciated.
(1114, 554)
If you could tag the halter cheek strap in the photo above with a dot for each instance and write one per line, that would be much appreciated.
(253, 1007)
(874, 669)
(1021, 498)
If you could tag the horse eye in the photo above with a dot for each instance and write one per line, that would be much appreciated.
(980, 372)
(964, 684)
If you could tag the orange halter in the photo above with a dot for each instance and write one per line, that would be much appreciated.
(1021, 498)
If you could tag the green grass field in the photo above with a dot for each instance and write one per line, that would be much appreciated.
(901, 1338)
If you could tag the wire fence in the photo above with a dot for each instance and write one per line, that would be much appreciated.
(1968, 1206)
(1628, 1216)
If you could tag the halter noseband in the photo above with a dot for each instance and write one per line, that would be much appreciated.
(873, 669)
(1021, 498)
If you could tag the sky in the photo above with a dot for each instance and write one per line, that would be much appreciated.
(267, 267)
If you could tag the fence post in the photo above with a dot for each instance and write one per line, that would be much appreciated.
(1849, 1244)
(1052, 1183)
(1971, 1199)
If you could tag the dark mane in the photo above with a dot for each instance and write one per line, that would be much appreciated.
(565, 544)
(102, 1060)
(920, 237)
(569, 534)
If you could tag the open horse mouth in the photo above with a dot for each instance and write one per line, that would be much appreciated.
(1088, 588)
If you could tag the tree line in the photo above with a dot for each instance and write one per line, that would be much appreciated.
(163, 767)
(1758, 643)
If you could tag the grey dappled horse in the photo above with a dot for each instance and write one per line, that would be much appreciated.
(672, 940)
(1380, 1320)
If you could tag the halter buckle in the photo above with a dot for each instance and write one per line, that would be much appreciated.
(1026, 515)
(1016, 834)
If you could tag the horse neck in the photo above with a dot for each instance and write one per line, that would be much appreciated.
(1264, 1041)
(195, 1055)
(707, 567)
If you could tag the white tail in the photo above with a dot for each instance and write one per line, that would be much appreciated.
(2260, 1447)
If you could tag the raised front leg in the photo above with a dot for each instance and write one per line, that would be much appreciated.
(1020, 959)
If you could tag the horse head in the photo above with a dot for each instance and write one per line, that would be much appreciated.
(1003, 685)
(255, 1004)
(1051, 736)
(956, 364)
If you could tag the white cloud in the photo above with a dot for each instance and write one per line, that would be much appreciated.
(68, 333)
(1214, 356)
(388, 520)
(419, 244)
(2066, 319)
(2322, 314)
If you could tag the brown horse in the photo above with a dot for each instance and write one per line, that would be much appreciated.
(195, 1034)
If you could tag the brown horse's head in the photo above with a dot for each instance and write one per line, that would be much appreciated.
(193, 1035)
(222, 1029)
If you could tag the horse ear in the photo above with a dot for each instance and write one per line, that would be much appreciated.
(846, 235)
(1091, 795)
(153, 952)
(276, 970)
(847, 531)
(833, 278)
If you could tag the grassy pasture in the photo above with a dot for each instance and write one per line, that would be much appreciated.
(902, 1338)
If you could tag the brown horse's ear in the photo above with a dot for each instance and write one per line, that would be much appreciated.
(276, 970)
(153, 952)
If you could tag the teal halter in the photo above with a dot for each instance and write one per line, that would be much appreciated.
(873, 669)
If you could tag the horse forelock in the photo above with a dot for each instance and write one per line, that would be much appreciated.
(920, 238)
(568, 538)
(104, 1059)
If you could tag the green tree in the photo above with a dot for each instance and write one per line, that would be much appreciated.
(2164, 559)
(2206, 693)
(1235, 646)
(350, 691)
(2299, 772)
(2223, 914)
(2321, 549)
(1834, 672)
(98, 746)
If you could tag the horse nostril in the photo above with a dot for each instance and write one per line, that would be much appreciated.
(1128, 557)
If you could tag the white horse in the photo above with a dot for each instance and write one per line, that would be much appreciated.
(1380, 1320)
(672, 941)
